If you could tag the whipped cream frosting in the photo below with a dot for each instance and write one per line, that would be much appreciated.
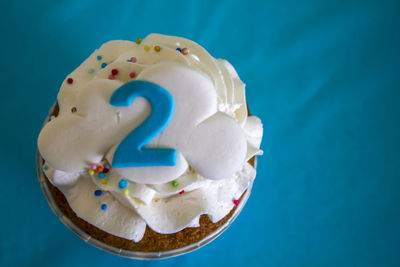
(210, 129)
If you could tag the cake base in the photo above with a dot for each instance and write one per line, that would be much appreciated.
(151, 241)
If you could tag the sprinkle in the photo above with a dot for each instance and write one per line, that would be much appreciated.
(175, 183)
(179, 214)
(99, 168)
(91, 172)
(99, 57)
(98, 193)
(104, 181)
(236, 202)
(106, 170)
(103, 65)
(111, 77)
(128, 60)
(132, 75)
(185, 51)
(103, 206)
(133, 59)
(70, 80)
(91, 70)
(93, 166)
(101, 175)
(157, 48)
(179, 49)
(183, 191)
(146, 48)
(114, 72)
(122, 184)
(73, 110)
(45, 167)
(125, 191)
(138, 40)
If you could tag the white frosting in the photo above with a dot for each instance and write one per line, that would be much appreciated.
(210, 130)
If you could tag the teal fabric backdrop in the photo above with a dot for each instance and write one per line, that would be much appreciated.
(324, 77)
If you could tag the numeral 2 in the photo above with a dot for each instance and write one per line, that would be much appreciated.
(131, 151)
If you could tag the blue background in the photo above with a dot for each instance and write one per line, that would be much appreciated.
(322, 75)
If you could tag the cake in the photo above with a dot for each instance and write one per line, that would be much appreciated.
(150, 146)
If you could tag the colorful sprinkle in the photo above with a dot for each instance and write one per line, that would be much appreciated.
(73, 110)
(146, 48)
(99, 57)
(45, 167)
(111, 77)
(236, 202)
(114, 72)
(122, 184)
(99, 169)
(183, 191)
(104, 182)
(103, 206)
(106, 170)
(103, 65)
(101, 175)
(98, 193)
(91, 70)
(70, 80)
(157, 48)
(93, 166)
(179, 49)
(125, 191)
(138, 40)
(133, 59)
(132, 75)
(175, 183)
(91, 172)
(185, 51)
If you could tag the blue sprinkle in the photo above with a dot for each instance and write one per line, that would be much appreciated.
(178, 49)
(128, 60)
(45, 167)
(103, 65)
(98, 193)
(103, 206)
(122, 184)
(101, 175)
(99, 57)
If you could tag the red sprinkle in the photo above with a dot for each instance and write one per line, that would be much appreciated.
(236, 202)
(106, 170)
(100, 169)
(183, 191)
(111, 77)
(70, 80)
(133, 59)
(132, 75)
(114, 72)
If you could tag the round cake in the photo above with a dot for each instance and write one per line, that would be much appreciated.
(150, 146)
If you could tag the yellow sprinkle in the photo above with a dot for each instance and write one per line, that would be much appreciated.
(147, 48)
(104, 181)
(91, 172)
(179, 214)
(157, 48)
(138, 40)
(125, 191)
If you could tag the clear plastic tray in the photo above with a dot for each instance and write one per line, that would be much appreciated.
(123, 252)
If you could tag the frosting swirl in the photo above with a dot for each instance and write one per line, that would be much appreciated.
(210, 129)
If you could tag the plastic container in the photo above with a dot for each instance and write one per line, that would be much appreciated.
(123, 252)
